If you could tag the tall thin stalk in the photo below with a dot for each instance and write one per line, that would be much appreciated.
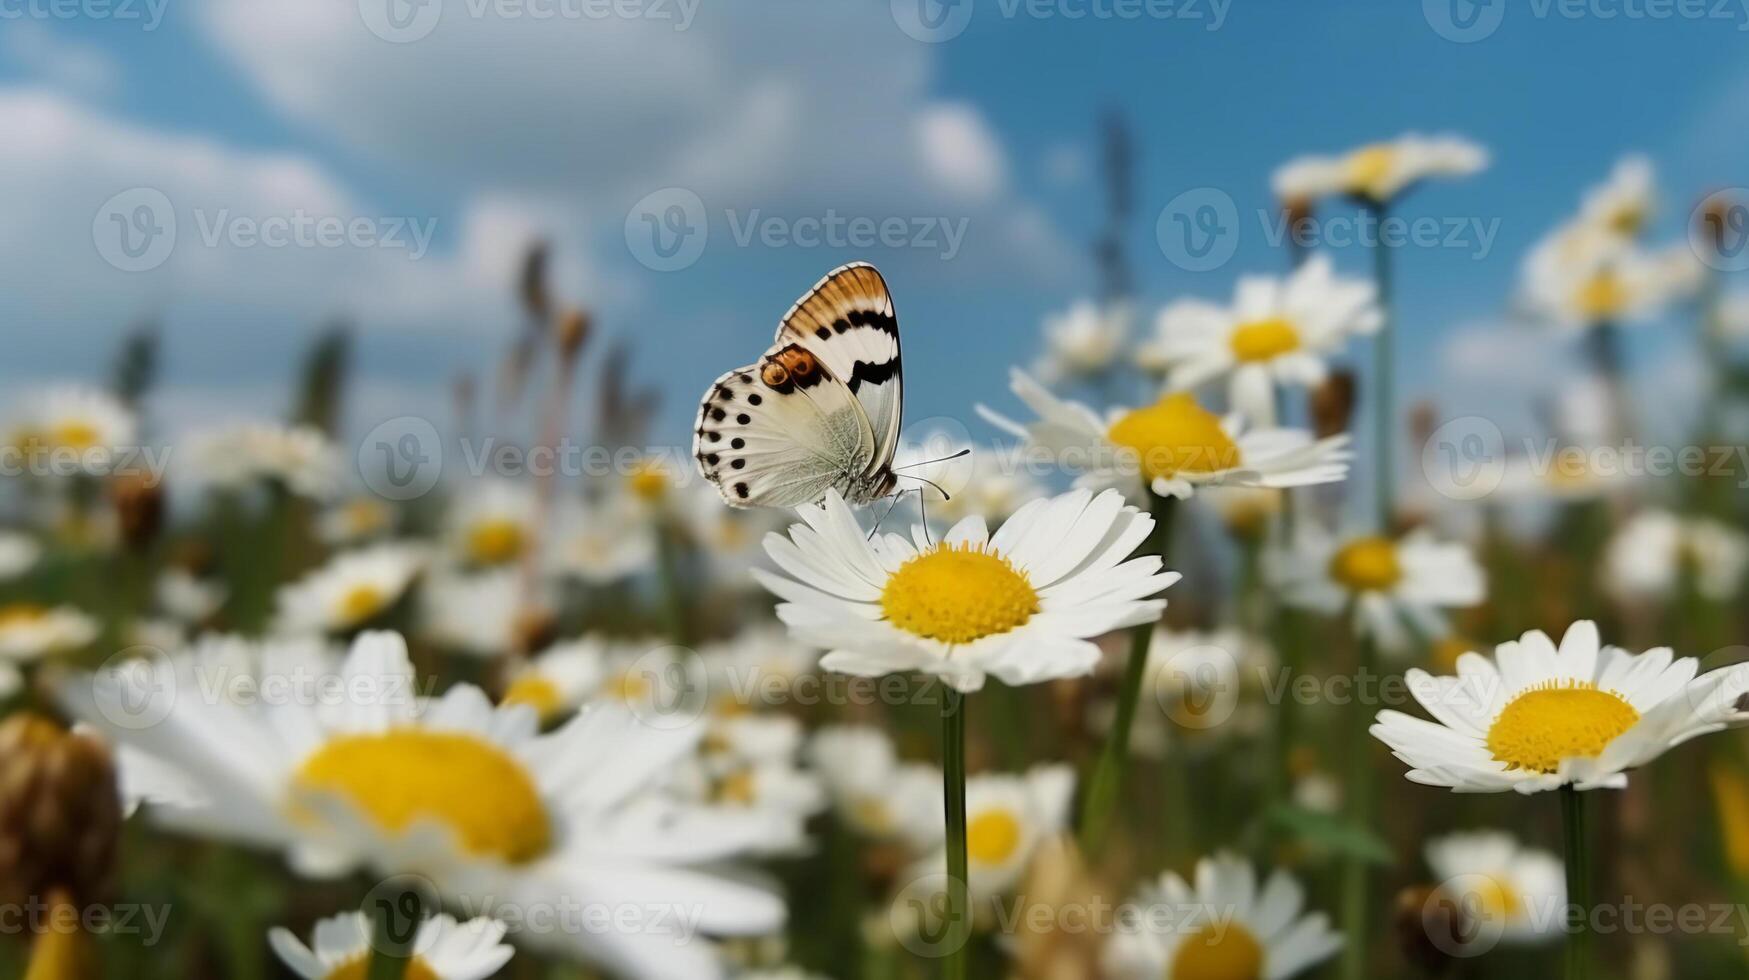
(1355, 872)
(953, 773)
(1578, 855)
(1384, 382)
(1108, 772)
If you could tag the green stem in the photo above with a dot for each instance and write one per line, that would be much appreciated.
(1107, 780)
(953, 784)
(397, 918)
(1578, 883)
(1355, 872)
(1384, 371)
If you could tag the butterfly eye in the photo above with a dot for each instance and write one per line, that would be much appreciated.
(774, 374)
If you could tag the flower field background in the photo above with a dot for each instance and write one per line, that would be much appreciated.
(1202, 617)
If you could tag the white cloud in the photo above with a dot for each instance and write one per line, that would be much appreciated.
(64, 63)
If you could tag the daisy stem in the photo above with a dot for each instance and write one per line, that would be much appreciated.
(1355, 871)
(1578, 883)
(1384, 395)
(396, 926)
(953, 775)
(1108, 771)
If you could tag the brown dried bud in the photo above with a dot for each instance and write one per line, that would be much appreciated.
(1715, 218)
(535, 629)
(572, 330)
(1332, 404)
(139, 508)
(59, 812)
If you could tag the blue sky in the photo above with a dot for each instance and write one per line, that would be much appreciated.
(497, 125)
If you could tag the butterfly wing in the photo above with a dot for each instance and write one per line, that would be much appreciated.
(782, 432)
(847, 321)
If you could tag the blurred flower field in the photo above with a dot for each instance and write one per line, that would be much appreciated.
(1203, 660)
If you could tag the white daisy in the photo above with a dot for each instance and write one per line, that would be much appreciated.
(473, 798)
(29, 631)
(480, 613)
(1276, 332)
(1196, 681)
(1519, 893)
(351, 590)
(1170, 447)
(991, 481)
(1228, 926)
(19, 553)
(1380, 172)
(187, 597)
(1623, 204)
(1649, 555)
(492, 522)
(444, 949)
(300, 458)
(1396, 588)
(1536, 718)
(750, 762)
(760, 667)
(559, 679)
(1579, 277)
(602, 541)
(1007, 817)
(871, 790)
(73, 428)
(356, 520)
(1083, 342)
(1020, 604)
(728, 538)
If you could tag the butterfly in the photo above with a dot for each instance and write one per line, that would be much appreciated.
(819, 411)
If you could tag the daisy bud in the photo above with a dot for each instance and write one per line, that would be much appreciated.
(1332, 404)
(59, 820)
(1714, 217)
(139, 508)
(573, 329)
(1428, 927)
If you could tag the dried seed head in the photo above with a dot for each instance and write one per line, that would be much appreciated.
(1332, 404)
(59, 812)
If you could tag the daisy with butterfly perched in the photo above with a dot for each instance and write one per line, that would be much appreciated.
(814, 425)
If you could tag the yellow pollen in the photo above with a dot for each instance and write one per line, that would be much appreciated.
(364, 516)
(1627, 221)
(483, 795)
(1261, 340)
(629, 686)
(1602, 297)
(1369, 168)
(992, 838)
(358, 968)
(958, 594)
(1176, 435)
(1497, 898)
(738, 787)
(538, 693)
(1558, 720)
(360, 603)
(1366, 565)
(495, 542)
(21, 614)
(1219, 952)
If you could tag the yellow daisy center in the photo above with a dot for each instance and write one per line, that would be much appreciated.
(872, 814)
(494, 542)
(992, 838)
(76, 434)
(1366, 565)
(739, 787)
(629, 686)
(1261, 340)
(361, 602)
(1176, 435)
(359, 969)
(1219, 952)
(476, 789)
(538, 693)
(648, 482)
(1369, 168)
(1602, 297)
(1497, 898)
(1627, 220)
(20, 614)
(364, 516)
(1558, 720)
(958, 594)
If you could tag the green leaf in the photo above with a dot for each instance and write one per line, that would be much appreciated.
(1333, 833)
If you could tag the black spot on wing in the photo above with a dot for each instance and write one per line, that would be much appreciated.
(874, 374)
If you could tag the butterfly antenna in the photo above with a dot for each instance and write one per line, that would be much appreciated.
(929, 462)
(883, 518)
(923, 510)
(945, 496)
